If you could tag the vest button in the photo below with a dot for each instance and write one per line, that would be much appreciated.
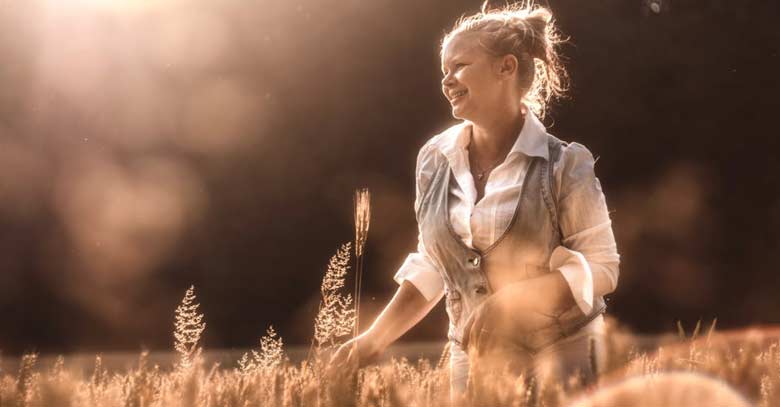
(474, 261)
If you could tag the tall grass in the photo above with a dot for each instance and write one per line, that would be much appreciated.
(737, 368)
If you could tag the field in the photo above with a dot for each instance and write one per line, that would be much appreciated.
(744, 366)
(701, 368)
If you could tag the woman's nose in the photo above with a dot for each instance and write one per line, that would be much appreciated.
(446, 83)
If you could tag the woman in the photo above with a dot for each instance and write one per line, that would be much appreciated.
(513, 226)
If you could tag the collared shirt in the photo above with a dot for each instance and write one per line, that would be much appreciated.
(479, 224)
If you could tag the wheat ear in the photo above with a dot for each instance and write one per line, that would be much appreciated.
(362, 204)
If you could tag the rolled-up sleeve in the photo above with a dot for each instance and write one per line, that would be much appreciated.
(588, 257)
(418, 268)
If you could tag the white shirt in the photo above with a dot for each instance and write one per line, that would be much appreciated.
(479, 224)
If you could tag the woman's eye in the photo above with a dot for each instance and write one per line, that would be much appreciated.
(456, 67)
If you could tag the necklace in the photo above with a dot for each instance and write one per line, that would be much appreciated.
(481, 172)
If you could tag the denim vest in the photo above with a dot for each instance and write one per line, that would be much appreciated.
(525, 246)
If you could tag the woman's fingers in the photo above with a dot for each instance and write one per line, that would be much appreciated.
(496, 327)
(487, 340)
(360, 356)
(338, 357)
(344, 356)
(357, 352)
(343, 362)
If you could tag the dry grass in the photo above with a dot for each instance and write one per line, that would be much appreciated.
(737, 368)
(336, 316)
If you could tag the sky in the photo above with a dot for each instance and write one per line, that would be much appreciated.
(146, 146)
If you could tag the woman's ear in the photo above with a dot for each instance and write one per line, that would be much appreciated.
(507, 66)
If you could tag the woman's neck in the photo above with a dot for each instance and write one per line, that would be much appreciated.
(493, 138)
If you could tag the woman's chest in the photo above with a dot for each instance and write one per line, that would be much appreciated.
(481, 210)
(510, 231)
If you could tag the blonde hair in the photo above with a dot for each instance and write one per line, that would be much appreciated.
(526, 31)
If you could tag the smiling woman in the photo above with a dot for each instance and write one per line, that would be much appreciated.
(513, 225)
(524, 33)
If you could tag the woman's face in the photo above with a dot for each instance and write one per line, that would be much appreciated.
(472, 80)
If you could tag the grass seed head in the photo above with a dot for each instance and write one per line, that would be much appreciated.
(362, 218)
(188, 329)
(336, 316)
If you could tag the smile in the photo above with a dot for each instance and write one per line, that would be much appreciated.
(457, 95)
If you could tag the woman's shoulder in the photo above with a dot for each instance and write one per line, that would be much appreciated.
(574, 166)
(572, 154)
(431, 157)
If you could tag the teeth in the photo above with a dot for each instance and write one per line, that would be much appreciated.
(458, 94)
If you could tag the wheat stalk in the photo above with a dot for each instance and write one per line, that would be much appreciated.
(362, 203)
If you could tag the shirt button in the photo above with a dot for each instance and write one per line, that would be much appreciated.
(474, 261)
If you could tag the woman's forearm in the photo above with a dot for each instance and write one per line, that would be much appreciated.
(407, 307)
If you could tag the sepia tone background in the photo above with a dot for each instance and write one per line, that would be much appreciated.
(149, 145)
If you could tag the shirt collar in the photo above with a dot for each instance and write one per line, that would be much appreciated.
(532, 140)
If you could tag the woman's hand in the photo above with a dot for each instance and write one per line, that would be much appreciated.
(518, 315)
(357, 352)
(407, 307)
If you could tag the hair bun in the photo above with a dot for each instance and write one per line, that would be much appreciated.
(537, 22)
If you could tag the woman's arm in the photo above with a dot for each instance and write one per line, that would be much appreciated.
(421, 285)
(588, 256)
(407, 307)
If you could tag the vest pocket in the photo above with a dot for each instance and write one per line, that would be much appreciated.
(453, 305)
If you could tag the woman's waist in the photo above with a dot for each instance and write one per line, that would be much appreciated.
(595, 329)
(465, 273)
(501, 273)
